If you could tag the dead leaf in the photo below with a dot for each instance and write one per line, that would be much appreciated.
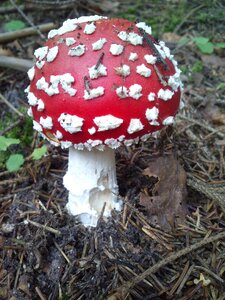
(214, 60)
(197, 79)
(24, 285)
(218, 118)
(213, 113)
(111, 6)
(5, 51)
(166, 206)
(171, 37)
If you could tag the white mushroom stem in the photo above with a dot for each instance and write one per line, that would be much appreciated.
(91, 182)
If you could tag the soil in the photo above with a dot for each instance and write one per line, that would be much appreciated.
(168, 242)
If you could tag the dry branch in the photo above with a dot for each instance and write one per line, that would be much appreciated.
(15, 63)
(4, 100)
(11, 36)
(213, 192)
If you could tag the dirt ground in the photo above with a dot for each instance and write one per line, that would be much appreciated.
(168, 242)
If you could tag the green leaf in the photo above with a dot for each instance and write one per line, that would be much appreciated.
(206, 48)
(219, 45)
(221, 86)
(201, 40)
(14, 25)
(183, 41)
(14, 162)
(39, 152)
(6, 142)
(204, 45)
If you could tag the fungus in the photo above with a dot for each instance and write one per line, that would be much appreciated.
(113, 86)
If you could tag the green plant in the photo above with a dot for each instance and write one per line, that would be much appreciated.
(197, 67)
(38, 153)
(13, 161)
(221, 86)
(205, 46)
(14, 25)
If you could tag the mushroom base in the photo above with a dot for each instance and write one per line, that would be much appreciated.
(91, 182)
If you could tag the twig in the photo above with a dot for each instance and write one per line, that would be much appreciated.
(191, 12)
(188, 273)
(11, 127)
(203, 125)
(13, 35)
(180, 279)
(63, 254)
(15, 63)
(214, 275)
(214, 193)
(3, 99)
(124, 289)
(45, 227)
(41, 6)
(41, 296)
(18, 270)
(27, 19)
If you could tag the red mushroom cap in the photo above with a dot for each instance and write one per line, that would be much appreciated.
(100, 81)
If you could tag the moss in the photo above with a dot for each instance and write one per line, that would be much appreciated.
(197, 67)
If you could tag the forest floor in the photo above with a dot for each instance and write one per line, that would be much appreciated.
(168, 242)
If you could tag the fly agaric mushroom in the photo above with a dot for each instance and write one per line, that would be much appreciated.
(99, 83)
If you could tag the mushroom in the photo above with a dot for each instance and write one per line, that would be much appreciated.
(99, 83)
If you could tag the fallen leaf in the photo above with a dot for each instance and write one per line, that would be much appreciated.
(166, 206)
(24, 284)
(214, 60)
(171, 37)
(5, 51)
(218, 118)
(111, 6)
(212, 113)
